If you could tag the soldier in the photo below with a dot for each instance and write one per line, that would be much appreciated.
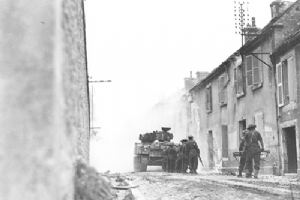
(242, 149)
(172, 153)
(253, 150)
(193, 152)
(165, 160)
(181, 161)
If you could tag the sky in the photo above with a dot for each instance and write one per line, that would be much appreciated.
(146, 48)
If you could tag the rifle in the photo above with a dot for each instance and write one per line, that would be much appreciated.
(200, 160)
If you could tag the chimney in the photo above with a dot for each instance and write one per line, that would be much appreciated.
(278, 7)
(251, 31)
(201, 75)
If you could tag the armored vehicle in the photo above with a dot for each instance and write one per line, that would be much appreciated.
(149, 152)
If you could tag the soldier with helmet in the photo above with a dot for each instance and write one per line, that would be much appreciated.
(171, 156)
(193, 152)
(253, 150)
(242, 150)
(181, 161)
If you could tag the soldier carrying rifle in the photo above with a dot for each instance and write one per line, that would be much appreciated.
(242, 150)
(253, 150)
(193, 153)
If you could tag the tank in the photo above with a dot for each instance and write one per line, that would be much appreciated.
(149, 151)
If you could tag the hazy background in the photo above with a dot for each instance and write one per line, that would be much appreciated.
(146, 48)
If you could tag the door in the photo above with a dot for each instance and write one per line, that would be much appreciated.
(290, 160)
(224, 141)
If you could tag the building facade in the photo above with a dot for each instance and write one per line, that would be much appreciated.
(44, 98)
(242, 91)
(286, 59)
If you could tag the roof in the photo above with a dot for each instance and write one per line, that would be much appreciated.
(287, 44)
(246, 47)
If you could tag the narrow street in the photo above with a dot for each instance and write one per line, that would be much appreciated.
(174, 186)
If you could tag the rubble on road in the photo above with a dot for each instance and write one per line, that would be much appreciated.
(90, 185)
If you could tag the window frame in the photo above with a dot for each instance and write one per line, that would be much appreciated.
(279, 87)
(208, 102)
(222, 86)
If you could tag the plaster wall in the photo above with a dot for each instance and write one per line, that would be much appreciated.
(43, 98)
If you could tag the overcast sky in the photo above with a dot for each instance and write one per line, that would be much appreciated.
(146, 48)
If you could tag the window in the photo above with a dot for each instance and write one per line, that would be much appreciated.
(253, 71)
(286, 78)
(223, 89)
(239, 82)
(208, 98)
(279, 84)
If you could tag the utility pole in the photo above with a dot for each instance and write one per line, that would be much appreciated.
(92, 127)
(241, 17)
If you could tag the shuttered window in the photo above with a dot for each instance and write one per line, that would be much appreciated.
(249, 69)
(256, 71)
(285, 82)
(222, 90)
(208, 99)
(239, 80)
(253, 71)
(235, 80)
(292, 79)
(279, 84)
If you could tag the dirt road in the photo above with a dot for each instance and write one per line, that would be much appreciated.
(173, 186)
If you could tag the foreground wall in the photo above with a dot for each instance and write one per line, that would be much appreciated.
(43, 98)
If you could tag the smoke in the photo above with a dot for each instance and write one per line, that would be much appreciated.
(112, 149)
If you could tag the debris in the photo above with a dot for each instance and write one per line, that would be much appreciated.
(89, 185)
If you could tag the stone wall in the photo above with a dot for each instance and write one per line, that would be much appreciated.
(43, 98)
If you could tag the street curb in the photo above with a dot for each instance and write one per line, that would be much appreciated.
(247, 186)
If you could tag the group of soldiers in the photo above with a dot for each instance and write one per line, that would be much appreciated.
(180, 159)
(250, 151)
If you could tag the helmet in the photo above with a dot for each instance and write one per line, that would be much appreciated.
(251, 126)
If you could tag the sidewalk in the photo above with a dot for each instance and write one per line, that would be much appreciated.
(288, 186)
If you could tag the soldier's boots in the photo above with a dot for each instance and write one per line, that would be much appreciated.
(255, 173)
(240, 174)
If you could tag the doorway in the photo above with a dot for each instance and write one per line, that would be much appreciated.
(242, 127)
(290, 150)
(210, 142)
(224, 141)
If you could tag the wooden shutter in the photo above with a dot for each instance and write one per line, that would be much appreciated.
(208, 98)
(221, 89)
(249, 69)
(292, 79)
(256, 70)
(279, 84)
(285, 82)
(235, 79)
(240, 80)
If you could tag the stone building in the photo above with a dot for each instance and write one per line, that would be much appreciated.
(286, 59)
(242, 90)
(44, 98)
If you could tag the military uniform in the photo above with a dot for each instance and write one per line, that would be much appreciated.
(172, 154)
(165, 160)
(181, 161)
(193, 151)
(242, 149)
(253, 150)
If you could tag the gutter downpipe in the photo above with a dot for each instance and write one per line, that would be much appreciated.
(273, 60)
